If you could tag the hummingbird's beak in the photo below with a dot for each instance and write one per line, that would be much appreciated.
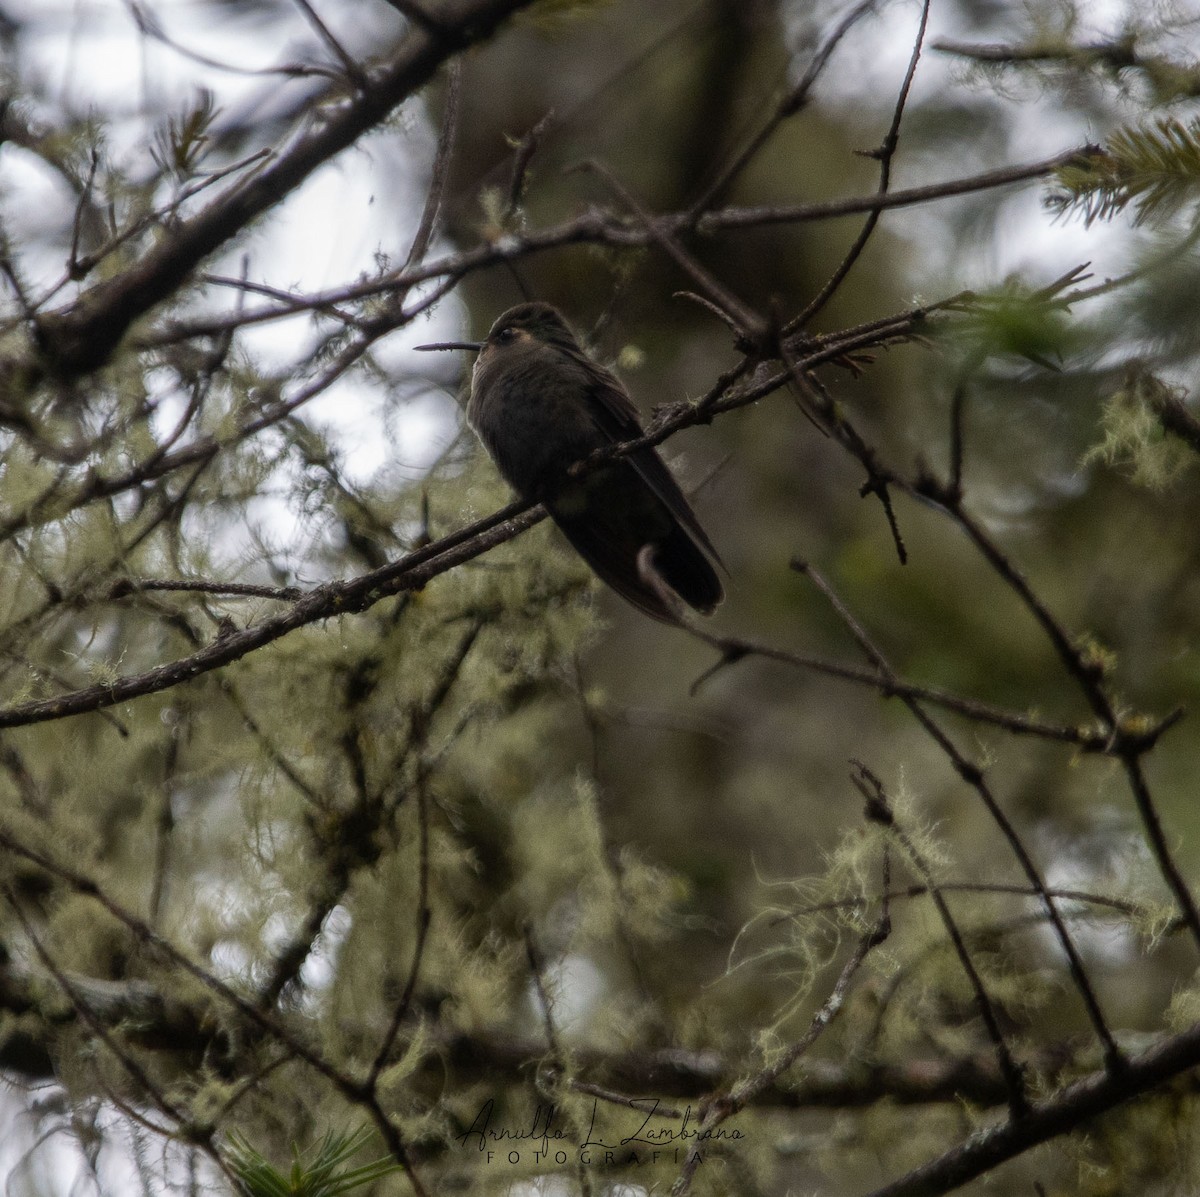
(474, 346)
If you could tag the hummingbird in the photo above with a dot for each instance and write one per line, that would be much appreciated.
(541, 406)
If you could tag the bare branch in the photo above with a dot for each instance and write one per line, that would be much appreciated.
(84, 336)
(1067, 1110)
(598, 227)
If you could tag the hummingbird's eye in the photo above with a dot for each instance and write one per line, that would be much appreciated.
(506, 335)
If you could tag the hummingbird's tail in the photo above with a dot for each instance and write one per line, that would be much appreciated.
(614, 555)
(683, 565)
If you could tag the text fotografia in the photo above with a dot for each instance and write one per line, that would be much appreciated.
(679, 1140)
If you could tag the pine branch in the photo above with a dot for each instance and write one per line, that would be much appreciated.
(1154, 167)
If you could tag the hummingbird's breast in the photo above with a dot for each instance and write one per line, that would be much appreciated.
(532, 412)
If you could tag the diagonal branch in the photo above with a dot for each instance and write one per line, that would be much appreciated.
(411, 572)
(1066, 1111)
(83, 337)
(726, 1104)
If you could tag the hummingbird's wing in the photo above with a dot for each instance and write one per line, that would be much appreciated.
(617, 418)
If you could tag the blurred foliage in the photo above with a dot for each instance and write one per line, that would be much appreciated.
(1134, 435)
(318, 1172)
(1156, 168)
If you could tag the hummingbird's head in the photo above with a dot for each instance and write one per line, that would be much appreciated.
(528, 325)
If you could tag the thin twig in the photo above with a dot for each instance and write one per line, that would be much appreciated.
(443, 155)
(885, 153)
(354, 72)
(746, 323)
(792, 102)
(521, 159)
(335, 598)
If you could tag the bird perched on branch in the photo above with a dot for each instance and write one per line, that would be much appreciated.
(542, 407)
